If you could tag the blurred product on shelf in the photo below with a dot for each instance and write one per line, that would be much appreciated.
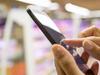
(19, 30)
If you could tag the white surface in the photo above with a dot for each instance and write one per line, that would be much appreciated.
(44, 3)
(77, 9)
(22, 18)
(44, 19)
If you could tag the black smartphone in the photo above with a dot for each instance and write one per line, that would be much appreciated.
(54, 35)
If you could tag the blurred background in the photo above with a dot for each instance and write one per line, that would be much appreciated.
(24, 50)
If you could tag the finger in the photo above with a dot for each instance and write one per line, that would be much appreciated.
(66, 60)
(73, 42)
(94, 39)
(59, 69)
(85, 57)
(91, 48)
(91, 31)
(79, 42)
(95, 68)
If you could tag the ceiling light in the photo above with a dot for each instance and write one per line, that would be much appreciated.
(44, 3)
(77, 9)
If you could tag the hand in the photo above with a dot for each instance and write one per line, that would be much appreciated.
(64, 61)
(92, 43)
(90, 40)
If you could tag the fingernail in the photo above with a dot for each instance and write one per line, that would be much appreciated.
(88, 45)
(58, 51)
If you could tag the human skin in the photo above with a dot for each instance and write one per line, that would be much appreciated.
(64, 61)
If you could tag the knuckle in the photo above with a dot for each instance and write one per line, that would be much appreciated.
(61, 57)
(81, 34)
(94, 28)
(65, 60)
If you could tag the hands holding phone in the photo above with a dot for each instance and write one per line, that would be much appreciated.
(64, 61)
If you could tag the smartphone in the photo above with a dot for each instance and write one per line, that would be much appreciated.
(54, 35)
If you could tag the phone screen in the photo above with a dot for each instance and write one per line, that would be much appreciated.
(45, 20)
(47, 26)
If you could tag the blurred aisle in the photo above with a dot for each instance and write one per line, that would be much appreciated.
(24, 45)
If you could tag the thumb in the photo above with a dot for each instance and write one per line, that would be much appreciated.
(65, 60)
(92, 48)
